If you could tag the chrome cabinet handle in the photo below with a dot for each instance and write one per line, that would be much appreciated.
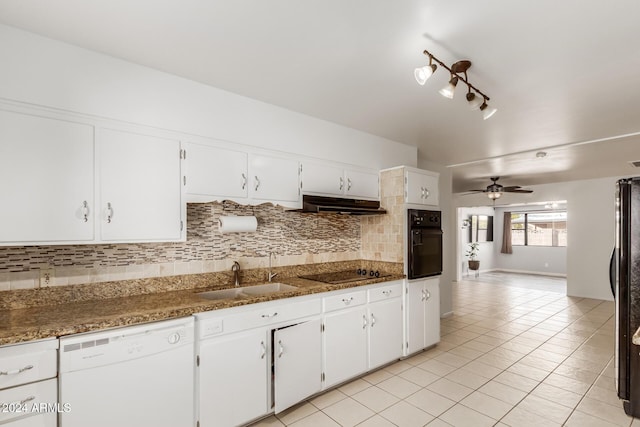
(424, 296)
(16, 371)
(348, 184)
(347, 301)
(422, 189)
(244, 181)
(257, 182)
(426, 193)
(387, 292)
(373, 320)
(281, 349)
(18, 403)
(109, 212)
(364, 321)
(428, 295)
(85, 211)
(268, 316)
(264, 350)
(341, 183)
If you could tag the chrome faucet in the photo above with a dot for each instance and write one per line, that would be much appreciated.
(236, 273)
(271, 275)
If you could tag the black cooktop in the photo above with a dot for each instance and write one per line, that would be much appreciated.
(346, 276)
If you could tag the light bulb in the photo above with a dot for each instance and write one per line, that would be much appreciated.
(450, 88)
(487, 111)
(474, 101)
(422, 74)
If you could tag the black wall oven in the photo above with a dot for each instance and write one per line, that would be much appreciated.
(424, 244)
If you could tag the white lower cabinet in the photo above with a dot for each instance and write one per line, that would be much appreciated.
(233, 374)
(423, 314)
(385, 331)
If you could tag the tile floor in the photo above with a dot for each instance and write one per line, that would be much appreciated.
(511, 355)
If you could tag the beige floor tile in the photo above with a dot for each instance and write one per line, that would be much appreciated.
(558, 395)
(327, 399)
(452, 359)
(404, 415)
(399, 387)
(539, 363)
(519, 417)
(516, 381)
(398, 367)
(271, 421)
(604, 395)
(419, 376)
(450, 389)
(348, 412)
(462, 416)
(377, 376)
(576, 373)
(483, 369)
(375, 398)
(438, 423)
(567, 383)
(296, 413)
(318, 419)
(354, 387)
(503, 392)
(580, 419)
(430, 402)
(609, 413)
(606, 382)
(436, 367)
(487, 405)
(545, 408)
(528, 371)
(467, 378)
(468, 353)
(477, 345)
(376, 421)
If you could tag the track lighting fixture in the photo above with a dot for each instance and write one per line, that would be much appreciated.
(475, 98)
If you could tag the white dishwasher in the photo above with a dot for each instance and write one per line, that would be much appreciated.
(135, 376)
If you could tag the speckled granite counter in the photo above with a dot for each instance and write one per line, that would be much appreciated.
(636, 337)
(52, 312)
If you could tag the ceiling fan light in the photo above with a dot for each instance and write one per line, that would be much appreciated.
(493, 195)
(449, 90)
(422, 74)
(474, 101)
(487, 111)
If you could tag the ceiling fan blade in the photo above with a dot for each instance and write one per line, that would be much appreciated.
(476, 191)
(519, 191)
(511, 188)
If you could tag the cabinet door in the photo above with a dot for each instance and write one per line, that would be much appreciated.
(345, 333)
(322, 179)
(298, 363)
(415, 318)
(361, 185)
(140, 187)
(385, 332)
(215, 172)
(48, 419)
(431, 194)
(432, 312)
(46, 179)
(232, 377)
(414, 187)
(273, 179)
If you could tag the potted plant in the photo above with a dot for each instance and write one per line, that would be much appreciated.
(472, 253)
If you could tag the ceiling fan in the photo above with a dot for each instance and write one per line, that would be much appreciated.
(495, 190)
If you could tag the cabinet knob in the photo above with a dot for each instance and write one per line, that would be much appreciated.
(347, 301)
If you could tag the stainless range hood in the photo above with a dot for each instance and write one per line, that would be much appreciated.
(317, 204)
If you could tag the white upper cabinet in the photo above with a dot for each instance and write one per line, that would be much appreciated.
(327, 179)
(421, 187)
(140, 184)
(46, 180)
(273, 178)
(214, 171)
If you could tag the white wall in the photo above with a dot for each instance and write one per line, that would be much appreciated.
(486, 251)
(590, 228)
(527, 259)
(45, 72)
(448, 228)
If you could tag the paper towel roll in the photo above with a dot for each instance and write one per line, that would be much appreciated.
(238, 224)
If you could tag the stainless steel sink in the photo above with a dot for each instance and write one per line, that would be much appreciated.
(247, 291)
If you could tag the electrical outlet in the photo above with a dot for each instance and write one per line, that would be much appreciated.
(46, 277)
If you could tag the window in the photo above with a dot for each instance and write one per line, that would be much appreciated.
(539, 228)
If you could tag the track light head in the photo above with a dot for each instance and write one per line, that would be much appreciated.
(422, 74)
(449, 90)
(487, 111)
(474, 100)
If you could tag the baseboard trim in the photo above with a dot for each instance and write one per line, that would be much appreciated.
(447, 314)
(536, 273)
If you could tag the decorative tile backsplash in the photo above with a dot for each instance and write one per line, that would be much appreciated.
(294, 237)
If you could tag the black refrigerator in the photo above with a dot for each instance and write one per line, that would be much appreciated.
(625, 285)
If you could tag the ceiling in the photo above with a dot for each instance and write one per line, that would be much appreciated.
(564, 75)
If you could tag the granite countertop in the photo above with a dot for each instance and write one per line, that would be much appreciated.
(78, 313)
(636, 337)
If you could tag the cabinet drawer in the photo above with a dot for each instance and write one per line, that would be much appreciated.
(230, 320)
(19, 401)
(393, 290)
(25, 363)
(345, 300)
